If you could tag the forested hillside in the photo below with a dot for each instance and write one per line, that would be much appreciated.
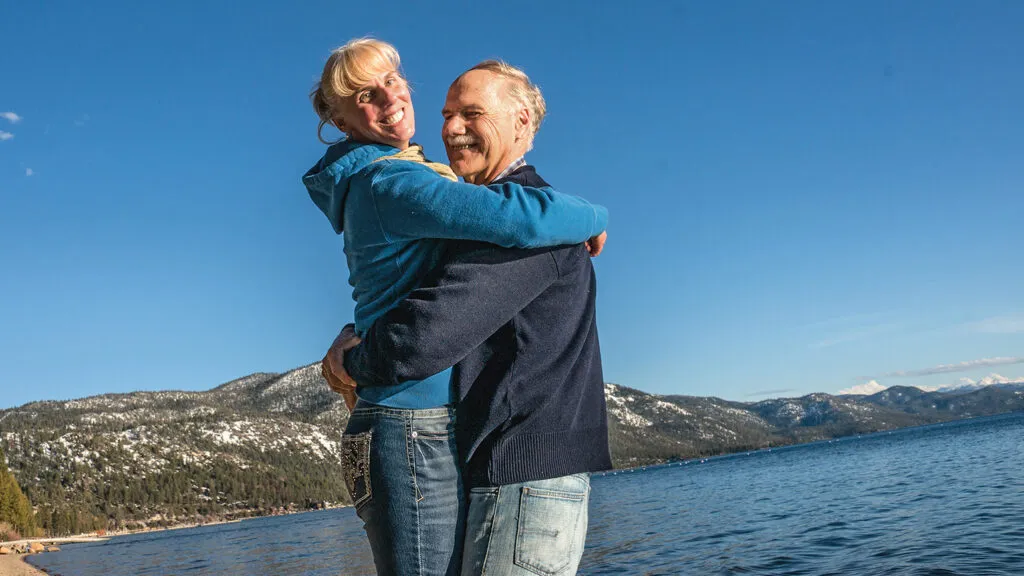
(269, 442)
(16, 516)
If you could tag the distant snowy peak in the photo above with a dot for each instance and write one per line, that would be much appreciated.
(969, 385)
(996, 379)
(960, 386)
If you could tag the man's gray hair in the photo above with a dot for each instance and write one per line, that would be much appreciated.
(521, 90)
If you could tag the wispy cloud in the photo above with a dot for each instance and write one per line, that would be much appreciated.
(853, 336)
(29, 172)
(775, 392)
(997, 325)
(848, 329)
(958, 367)
(836, 340)
(868, 388)
(10, 117)
(861, 319)
(5, 135)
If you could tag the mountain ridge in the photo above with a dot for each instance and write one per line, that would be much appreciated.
(266, 442)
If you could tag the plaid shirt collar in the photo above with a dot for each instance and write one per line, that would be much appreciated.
(515, 165)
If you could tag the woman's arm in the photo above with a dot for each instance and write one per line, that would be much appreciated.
(414, 202)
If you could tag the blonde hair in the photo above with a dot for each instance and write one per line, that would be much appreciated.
(520, 89)
(348, 69)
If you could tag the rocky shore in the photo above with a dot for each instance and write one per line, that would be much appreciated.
(12, 558)
(13, 554)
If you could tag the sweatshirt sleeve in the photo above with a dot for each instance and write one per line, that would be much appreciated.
(414, 202)
(461, 305)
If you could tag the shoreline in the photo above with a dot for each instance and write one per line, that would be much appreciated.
(184, 526)
(92, 537)
(87, 537)
(16, 565)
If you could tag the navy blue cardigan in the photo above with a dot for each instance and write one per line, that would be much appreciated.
(520, 327)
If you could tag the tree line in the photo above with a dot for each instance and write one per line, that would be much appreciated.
(16, 516)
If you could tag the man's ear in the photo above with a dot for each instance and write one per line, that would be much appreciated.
(522, 123)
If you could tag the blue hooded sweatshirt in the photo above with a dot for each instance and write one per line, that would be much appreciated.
(396, 214)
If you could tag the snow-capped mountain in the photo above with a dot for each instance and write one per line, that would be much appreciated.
(267, 441)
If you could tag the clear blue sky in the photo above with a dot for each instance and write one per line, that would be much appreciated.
(804, 196)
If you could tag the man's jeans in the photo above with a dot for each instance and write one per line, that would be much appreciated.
(527, 529)
(401, 469)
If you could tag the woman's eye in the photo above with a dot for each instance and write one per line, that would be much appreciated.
(365, 97)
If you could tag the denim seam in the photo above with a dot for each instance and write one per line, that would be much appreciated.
(555, 494)
(490, 530)
(397, 413)
(410, 454)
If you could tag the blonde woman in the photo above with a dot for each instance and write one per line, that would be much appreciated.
(396, 209)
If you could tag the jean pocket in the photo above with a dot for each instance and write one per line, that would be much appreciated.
(355, 465)
(548, 525)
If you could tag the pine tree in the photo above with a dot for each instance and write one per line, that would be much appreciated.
(14, 506)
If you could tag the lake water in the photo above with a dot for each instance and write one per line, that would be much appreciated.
(944, 500)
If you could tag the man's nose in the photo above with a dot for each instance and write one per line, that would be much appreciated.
(453, 126)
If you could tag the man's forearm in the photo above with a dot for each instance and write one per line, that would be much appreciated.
(462, 305)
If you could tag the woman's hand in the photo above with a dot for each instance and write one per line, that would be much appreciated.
(333, 366)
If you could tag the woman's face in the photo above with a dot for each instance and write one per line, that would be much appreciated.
(380, 112)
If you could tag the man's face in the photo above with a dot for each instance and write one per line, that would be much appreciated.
(483, 131)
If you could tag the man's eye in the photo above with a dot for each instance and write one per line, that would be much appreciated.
(472, 114)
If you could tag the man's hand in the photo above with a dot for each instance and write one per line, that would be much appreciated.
(333, 366)
(596, 244)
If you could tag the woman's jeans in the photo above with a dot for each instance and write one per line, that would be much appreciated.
(401, 469)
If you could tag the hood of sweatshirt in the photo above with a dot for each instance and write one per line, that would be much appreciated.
(329, 180)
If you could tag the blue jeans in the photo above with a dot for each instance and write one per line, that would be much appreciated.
(401, 469)
(527, 529)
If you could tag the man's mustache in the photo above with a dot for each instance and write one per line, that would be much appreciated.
(461, 141)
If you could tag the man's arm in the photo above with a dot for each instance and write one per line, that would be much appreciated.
(476, 292)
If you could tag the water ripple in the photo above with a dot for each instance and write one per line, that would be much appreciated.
(942, 500)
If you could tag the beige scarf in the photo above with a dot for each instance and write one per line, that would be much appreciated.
(414, 153)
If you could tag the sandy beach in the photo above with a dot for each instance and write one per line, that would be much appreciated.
(15, 565)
